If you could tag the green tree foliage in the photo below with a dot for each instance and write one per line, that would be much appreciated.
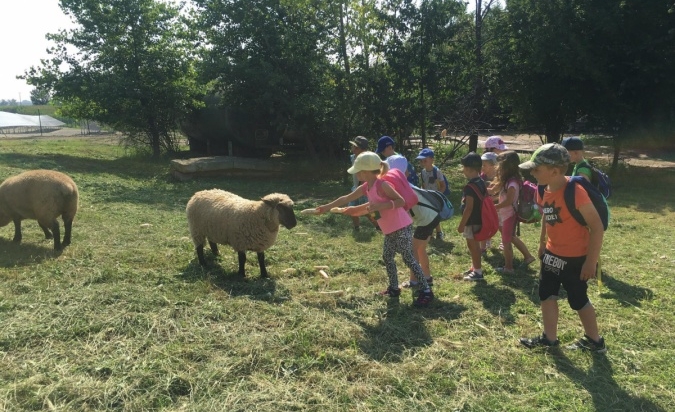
(128, 64)
(39, 96)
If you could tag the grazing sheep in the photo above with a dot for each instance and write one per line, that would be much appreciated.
(227, 219)
(43, 195)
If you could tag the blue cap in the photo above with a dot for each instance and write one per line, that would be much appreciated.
(424, 153)
(383, 143)
(572, 143)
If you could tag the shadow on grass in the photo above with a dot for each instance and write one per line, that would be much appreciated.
(399, 327)
(496, 299)
(252, 285)
(624, 293)
(24, 253)
(599, 382)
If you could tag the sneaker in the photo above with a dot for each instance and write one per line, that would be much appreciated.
(392, 293)
(505, 271)
(501, 246)
(440, 235)
(589, 344)
(474, 276)
(424, 299)
(538, 342)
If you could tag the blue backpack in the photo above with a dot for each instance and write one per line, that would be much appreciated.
(594, 194)
(446, 192)
(412, 175)
(439, 203)
(599, 179)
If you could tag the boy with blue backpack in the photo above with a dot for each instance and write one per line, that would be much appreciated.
(569, 249)
(432, 179)
(575, 147)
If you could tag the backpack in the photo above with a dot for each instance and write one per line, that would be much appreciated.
(527, 209)
(446, 192)
(412, 175)
(599, 179)
(594, 194)
(398, 181)
(439, 203)
(488, 215)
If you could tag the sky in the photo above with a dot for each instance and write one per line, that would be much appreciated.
(23, 26)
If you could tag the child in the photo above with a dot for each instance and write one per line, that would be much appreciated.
(569, 252)
(508, 184)
(471, 212)
(358, 146)
(488, 174)
(431, 178)
(425, 219)
(575, 147)
(396, 223)
(385, 147)
(495, 144)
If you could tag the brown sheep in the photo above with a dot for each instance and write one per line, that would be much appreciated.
(42, 195)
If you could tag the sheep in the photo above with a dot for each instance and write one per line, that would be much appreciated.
(227, 219)
(43, 195)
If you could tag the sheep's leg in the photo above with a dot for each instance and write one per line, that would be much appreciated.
(200, 254)
(214, 248)
(67, 227)
(17, 231)
(48, 234)
(261, 263)
(57, 235)
(242, 262)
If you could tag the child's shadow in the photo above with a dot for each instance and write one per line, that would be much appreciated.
(598, 381)
(496, 300)
(398, 328)
(624, 293)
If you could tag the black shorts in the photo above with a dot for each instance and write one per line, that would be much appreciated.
(423, 232)
(557, 270)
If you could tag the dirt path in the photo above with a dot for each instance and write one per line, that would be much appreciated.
(604, 154)
(522, 142)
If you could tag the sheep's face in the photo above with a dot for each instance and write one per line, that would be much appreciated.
(284, 206)
(286, 216)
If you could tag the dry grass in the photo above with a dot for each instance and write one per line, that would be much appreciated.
(125, 319)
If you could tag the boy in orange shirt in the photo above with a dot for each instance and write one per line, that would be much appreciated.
(569, 251)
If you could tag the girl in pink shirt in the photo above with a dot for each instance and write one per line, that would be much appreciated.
(395, 222)
(508, 183)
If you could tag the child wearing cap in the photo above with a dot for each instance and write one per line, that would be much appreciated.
(575, 147)
(396, 223)
(358, 146)
(569, 251)
(495, 144)
(385, 147)
(471, 212)
(432, 178)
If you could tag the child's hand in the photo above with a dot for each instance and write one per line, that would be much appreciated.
(587, 271)
(460, 228)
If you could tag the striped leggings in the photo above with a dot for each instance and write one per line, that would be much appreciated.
(401, 241)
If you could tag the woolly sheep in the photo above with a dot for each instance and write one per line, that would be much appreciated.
(227, 219)
(43, 195)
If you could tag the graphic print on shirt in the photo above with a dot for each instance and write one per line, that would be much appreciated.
(551, 214)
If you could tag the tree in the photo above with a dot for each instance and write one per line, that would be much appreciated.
(132, 69)
(39, 96)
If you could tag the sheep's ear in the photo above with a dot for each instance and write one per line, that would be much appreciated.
(269, 202)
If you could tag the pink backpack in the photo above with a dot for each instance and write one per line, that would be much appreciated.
(399, 182)
(488, 214)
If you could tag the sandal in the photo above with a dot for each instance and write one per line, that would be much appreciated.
(505, 271)
(528, 262)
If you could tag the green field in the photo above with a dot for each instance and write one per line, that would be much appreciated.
(126, 320)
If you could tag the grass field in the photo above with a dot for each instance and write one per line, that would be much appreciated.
(125, 319)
